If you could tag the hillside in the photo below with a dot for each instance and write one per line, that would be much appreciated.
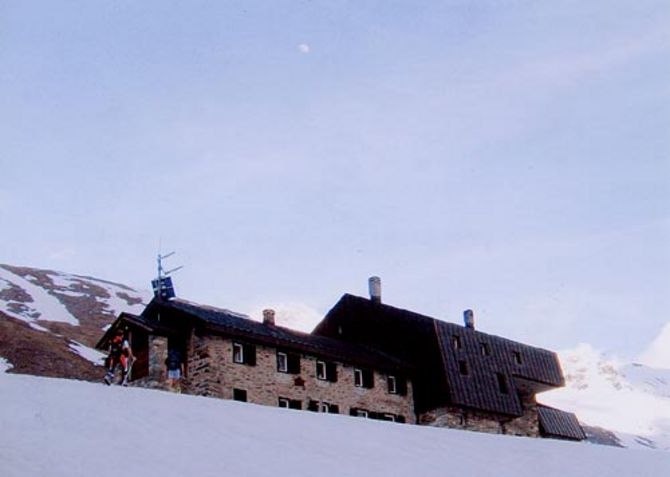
(630, 400)
(49, 320)
(66, 428)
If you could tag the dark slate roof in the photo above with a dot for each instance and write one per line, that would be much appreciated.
(226, 322)
(561, 424)
(479, 388)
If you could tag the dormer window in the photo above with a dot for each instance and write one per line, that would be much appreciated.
(463, 367)
(485, 349)
(516, 356)
(456, 342)
(502, 383)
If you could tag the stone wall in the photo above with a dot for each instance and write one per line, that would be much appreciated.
(458, 418)
(157, 353)
(212, 372)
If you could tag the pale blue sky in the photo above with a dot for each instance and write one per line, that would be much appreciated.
(507, 156)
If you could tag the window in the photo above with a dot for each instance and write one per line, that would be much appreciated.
(517, 357)
(240, 395)
(358, 377)
(326, 371)
(463, 367)
(456, 342)
(244, 354)
(485, 349)
(387, 417)
(354, 411)
(282, 363)
(238, 353)
(322, 406)
(321, 370)
(502, 383)
(392, 384)
(288, 362)
(289, 403)
(363, 378)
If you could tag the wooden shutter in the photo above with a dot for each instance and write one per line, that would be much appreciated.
(293, 363)
(250, 354)
(295, 404)
(401, 385)
(331, 372)
(368, 378)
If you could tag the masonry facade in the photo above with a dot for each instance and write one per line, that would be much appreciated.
(364, 359)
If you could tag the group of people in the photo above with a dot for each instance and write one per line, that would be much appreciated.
(121, 354)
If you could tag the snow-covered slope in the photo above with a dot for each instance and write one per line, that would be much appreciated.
(49, 321)
(658, 353)
(66, 428)
(631, 400)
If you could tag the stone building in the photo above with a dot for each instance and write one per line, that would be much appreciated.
(365, 358)
(230, 356)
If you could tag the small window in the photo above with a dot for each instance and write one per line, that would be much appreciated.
(485, 349)
(238, 353)
(321, 371)
(456, 342)
(283, 402)
(240, 395)
(363, 378)
(244, 354)
(358, 412)
(282, 362)
(295, 404)
(392, 384)
(463, 367)
(387, 417)
(502, 383)
(358, 378)
(516, 356)
(322, 406)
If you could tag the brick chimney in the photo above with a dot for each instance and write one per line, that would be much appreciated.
(269, 317)
(375, 286)
(469, 319)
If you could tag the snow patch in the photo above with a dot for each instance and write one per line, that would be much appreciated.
(90, 354)
(43, 307)
(55, 427)
(5, 365)
(658, 353)
(630, 400)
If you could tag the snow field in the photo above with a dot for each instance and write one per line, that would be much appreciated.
(69, 428)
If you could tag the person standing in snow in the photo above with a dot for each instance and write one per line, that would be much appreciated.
(175, 369)
(120, 353)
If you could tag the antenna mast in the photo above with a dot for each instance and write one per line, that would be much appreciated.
(162, 285)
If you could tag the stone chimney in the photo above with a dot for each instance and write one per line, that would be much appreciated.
(469, 319)
(269, 317)
(375, 286)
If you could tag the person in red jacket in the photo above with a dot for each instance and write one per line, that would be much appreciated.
(120, 353)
